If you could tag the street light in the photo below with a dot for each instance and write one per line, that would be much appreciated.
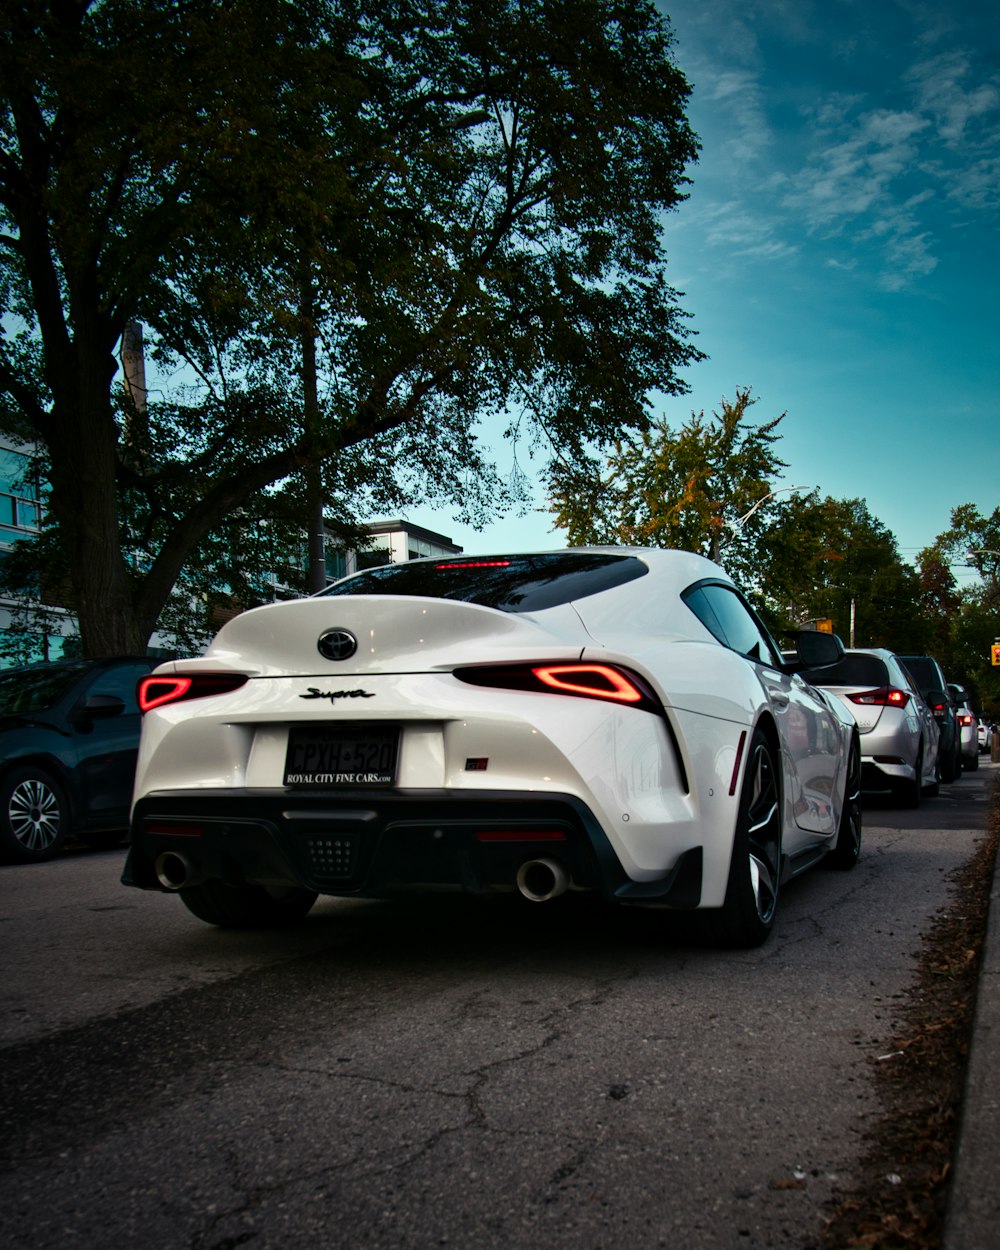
(736, 526)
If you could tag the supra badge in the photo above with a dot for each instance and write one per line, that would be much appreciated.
(337, 644)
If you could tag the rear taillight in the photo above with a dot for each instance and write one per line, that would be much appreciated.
(965, 719)
(885, 696)
(161, 689)
(606, 682)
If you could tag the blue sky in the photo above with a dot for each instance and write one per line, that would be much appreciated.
(840, 249)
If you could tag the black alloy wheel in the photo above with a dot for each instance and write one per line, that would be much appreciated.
(951, 765)
(34, 816)
(847, 849)
(747, 915)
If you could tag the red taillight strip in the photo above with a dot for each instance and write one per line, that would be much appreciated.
(476, 564)
(174, 830)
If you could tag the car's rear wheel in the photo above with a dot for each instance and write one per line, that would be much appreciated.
(34, 816)
(847, 849)
(246, 906)
(747, 915)
(951, 767)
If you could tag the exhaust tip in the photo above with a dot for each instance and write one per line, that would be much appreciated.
(175, 871)
(542, 879)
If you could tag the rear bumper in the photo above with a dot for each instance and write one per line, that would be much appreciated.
(879, 775)
(376, 843)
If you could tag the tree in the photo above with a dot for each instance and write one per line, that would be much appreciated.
(710, 488)
(967, 620)
(704, 488)
(830, 558)
(473, 195)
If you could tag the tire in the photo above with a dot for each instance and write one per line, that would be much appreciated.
(746, 918)
(971, 763)
(246, 906)
(847, 849)
(909, 793)
(950, 767)
(34, 816)
(934, 789)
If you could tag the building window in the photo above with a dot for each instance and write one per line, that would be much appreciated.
(19, 509)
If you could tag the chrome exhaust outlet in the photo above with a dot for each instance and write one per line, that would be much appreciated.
(175, 871)
(542, 879)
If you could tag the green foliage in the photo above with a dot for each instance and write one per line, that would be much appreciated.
(703, 488)
(831, 559)
(710, 488)
(967, 621)
(473, 196)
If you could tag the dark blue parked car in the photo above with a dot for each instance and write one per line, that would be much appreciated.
(69, 737)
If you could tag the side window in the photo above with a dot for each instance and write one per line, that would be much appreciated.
(698, 602)
(739, 628)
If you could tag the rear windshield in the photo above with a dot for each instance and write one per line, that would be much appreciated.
(923, 670)
(852, 670)
(510, 583)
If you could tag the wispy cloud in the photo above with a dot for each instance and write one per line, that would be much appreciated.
(882, 147)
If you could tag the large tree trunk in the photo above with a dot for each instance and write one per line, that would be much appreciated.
(84, 501)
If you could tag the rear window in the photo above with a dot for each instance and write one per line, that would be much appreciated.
(852, 670)
(509, 583)
(924, 671)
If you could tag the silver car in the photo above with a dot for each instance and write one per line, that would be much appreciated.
(899, 735)
(968, 727)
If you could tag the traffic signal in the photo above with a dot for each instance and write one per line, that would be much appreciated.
(995, 654)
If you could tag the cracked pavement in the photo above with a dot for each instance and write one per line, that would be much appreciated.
(448, 1071)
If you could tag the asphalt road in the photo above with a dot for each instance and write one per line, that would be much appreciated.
(446, 1072)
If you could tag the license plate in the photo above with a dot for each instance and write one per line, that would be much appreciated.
(341, 755)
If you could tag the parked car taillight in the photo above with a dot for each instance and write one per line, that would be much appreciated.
(965, 719)
(885, 696)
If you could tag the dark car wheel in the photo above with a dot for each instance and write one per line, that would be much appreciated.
(34, 816)
(950, 766)
(847, 849)
(246, 906)
(747, 916)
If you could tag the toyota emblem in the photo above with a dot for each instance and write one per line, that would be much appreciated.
(337, 644)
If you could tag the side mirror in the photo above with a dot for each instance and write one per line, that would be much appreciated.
(101, 706)
(816, 649)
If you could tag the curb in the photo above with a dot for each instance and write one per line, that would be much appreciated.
(972, 1214)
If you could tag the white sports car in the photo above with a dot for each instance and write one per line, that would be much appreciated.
(615, 720)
